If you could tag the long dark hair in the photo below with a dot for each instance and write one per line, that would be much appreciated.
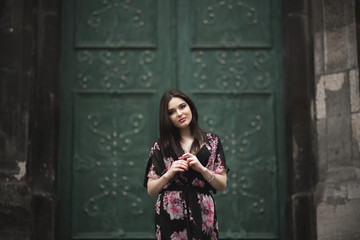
(170, 139)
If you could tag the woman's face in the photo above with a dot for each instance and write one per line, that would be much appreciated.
(179, 112)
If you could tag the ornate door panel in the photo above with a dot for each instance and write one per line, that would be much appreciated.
(230, 62)
(119, 56)
(115, 67)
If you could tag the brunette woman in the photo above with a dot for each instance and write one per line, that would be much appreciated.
(184, 165)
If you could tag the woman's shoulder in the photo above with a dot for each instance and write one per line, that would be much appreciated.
(210, 137)
(156, 145)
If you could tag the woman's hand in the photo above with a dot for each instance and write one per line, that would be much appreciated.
(154, 186)
(193, 162)
(218, 181)
(177, 166)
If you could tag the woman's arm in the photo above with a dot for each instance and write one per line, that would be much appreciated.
(218, 181)
(154, 186)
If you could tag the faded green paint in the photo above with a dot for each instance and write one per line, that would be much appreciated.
(118, 58)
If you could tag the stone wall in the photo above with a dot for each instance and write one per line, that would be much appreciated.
(29, 86)
(322, 115)
(300, 120)
(337, 110)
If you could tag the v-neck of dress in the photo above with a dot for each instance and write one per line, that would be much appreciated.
(183, 151)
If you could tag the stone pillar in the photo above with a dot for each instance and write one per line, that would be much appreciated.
(337, 110)
(29, 109)
(300, 122)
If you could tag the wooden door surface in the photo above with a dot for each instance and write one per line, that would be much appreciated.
(118, 57)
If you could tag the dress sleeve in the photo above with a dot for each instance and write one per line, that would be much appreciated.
(154, 167)
(220, 162)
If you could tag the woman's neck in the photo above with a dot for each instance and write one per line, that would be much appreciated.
(186, 139)
(185, 133)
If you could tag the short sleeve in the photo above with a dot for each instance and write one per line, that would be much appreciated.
(152, 174)
(155, 164)
(220, 162)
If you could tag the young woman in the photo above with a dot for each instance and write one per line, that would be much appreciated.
(184, 164)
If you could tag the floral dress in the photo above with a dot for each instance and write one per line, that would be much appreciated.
(185, 209)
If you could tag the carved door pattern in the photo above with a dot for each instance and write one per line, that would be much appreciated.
(119, 56)
(231, 64)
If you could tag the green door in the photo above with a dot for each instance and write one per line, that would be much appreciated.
(119, 56)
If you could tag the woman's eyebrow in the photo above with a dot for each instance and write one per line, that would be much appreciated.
(177, 106)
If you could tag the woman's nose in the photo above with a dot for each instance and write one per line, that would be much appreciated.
(179, 112)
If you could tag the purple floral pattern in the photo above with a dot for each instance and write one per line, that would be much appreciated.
(176, 209)
(182, 235)
(174, 205)
(208, 212)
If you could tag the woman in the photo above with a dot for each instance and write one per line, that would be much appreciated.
(183, 166)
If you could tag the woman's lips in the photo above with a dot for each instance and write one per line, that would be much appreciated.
(182, 120)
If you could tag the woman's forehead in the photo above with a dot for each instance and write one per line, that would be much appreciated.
(175, 102)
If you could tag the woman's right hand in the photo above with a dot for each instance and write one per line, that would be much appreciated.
(154, 186)
(177, 166)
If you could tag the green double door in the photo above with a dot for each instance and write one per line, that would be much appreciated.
(118, 57)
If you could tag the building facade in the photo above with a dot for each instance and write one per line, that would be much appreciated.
(321, 107)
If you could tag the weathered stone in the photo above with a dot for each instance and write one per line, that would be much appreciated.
(334, 192)
(295, 6)
(29, 105)
(15, 194)
(45, 208)
(337, 96)
(338, 222)
(355, 122)
(331, 95)
(354, 91)
(341, 174)
(339, 35)
(302, 216)
(322, 149)
(299, 95)
(338, 141)
(354, 189)
(15, 222)
(318, 37)
(337, 99)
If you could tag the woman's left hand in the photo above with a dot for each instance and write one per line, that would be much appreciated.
(218, 181)
(193, 162)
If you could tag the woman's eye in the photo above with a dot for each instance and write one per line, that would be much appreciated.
(182, 106)
(170, 112)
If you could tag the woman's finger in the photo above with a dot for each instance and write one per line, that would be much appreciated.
(180, 165)
(187, 155)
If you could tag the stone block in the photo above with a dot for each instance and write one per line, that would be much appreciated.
(339, 138)
(354, 91)
(339, 35)
(15, 194)
(337, 94)
(15, 223)
(338, 222)
(354, 189)
(341, 174)
(322, 149)
(10, 234)
(355, 122)
(332, 92)
(334, 193)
